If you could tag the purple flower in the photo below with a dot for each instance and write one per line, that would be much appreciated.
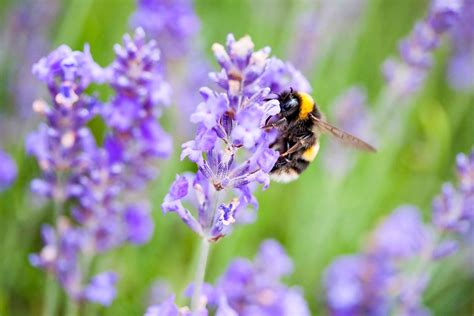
(63, 144)
(407, 76)
(401, 235)
(461, 65)
(465, 171)
(101, 288)
(60, 255)
(255, 288)
(139, 223)
(444, 14)
(453, 209)
(136, 136)
(8, 170)
(343, 281)
(392, 273)
(230, 148)
(26, 31)
(167, 308)
(96, 182)
(172, 23)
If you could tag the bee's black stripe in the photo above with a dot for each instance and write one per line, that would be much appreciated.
(300, 165)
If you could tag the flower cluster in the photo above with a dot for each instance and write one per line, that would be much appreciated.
(7, 170)
(63, 144)
(350, 113)
(390, 276)
(95, 180)
(248, 288)
(406, 77)
(461, 65)
(136, 138)
(255, 288)
(231, 150)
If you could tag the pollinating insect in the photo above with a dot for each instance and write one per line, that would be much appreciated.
(300, 124)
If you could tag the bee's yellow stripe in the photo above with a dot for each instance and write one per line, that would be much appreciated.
(310, 153)
(307, 105)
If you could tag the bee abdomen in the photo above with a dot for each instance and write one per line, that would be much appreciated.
(300, 165)
(311, 153)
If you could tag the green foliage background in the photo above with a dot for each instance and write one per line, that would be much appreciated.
(315, 218)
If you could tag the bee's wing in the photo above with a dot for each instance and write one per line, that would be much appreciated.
(344, 137)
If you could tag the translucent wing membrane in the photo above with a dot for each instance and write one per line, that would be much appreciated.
(344, 137)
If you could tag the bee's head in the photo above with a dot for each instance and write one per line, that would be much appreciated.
(289, 102)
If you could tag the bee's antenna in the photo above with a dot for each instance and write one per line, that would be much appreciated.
(291, 89)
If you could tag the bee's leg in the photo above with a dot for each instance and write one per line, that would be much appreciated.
(275, 124)
(302, 143)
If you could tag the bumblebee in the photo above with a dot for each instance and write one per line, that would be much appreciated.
(300, 124)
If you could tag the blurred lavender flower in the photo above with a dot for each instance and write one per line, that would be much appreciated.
(351, 113)
(8, 170)
(453, 209)
(255, 288)
(391, 275)
(172, 23)
(136, 137)
(231, 149)
(24, 38)
(406, 77)
(375, 282)
(461, 65)
(63, 144)
(96, 181)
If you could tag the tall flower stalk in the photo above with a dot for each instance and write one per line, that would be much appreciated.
(92, 181)
(231, 150)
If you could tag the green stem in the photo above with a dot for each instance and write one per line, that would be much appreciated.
(72, 307)
(51, 296)
(200, 273)
(51, 292)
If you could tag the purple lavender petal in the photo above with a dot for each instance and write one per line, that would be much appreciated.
(101, 288)
(139, 223)
(8, 171)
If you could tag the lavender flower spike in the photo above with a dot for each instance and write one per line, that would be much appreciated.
(136, 137)
(231, 149)
(406, 77)
(63, 143)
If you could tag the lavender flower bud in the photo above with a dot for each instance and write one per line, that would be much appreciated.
(8, 171)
